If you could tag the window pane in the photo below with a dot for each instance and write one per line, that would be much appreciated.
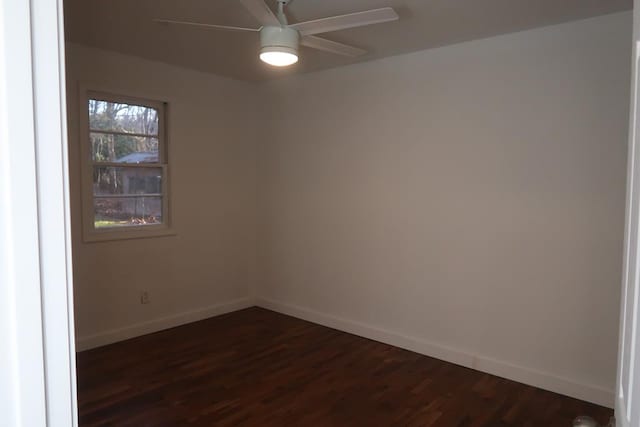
(107, 147)
(127, 212)
(127, 180)
(119, 117)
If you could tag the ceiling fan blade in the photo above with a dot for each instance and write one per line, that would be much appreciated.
(331, 46)
(261, 11)
(207, 26)
(358, 19)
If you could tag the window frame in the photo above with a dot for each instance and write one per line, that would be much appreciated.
(89, 231)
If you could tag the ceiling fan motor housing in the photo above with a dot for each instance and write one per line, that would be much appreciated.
(279, 39)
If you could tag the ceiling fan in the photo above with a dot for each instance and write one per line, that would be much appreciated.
(279, 40)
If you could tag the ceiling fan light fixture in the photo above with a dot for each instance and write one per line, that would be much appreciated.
(279, 46)
(278, 57)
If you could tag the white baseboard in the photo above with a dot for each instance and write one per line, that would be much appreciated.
(155, 325)
(543, 380)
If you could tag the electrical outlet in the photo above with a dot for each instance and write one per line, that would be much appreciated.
(144, 297)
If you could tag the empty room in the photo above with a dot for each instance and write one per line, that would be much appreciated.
(329, 213)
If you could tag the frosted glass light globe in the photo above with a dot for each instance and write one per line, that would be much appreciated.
(279, 58)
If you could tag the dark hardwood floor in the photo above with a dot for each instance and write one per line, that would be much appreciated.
(259, 368)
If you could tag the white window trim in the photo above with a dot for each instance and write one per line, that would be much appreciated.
(89, 232)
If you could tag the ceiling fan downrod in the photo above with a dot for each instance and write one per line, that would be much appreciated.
(282, 17)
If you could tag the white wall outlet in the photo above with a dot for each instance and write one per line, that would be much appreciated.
(144, 297)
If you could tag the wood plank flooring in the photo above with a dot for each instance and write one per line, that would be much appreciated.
(259, 368)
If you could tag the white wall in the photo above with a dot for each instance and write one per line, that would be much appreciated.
(209, 265)
(466, 202)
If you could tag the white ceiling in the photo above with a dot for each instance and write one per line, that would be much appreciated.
(126, 26)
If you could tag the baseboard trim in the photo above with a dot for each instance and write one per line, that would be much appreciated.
(543, 380)
(114, 335)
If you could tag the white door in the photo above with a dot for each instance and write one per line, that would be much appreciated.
(628, 384)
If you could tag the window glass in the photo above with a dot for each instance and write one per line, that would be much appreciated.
(109, 181)
(118, 148)
(127, 212)
(120, 117)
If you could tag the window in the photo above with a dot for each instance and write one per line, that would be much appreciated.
(124, 167)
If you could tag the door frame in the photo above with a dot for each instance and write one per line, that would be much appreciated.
(627, 404)
(37, 362)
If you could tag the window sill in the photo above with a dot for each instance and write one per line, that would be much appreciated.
(127, 234)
